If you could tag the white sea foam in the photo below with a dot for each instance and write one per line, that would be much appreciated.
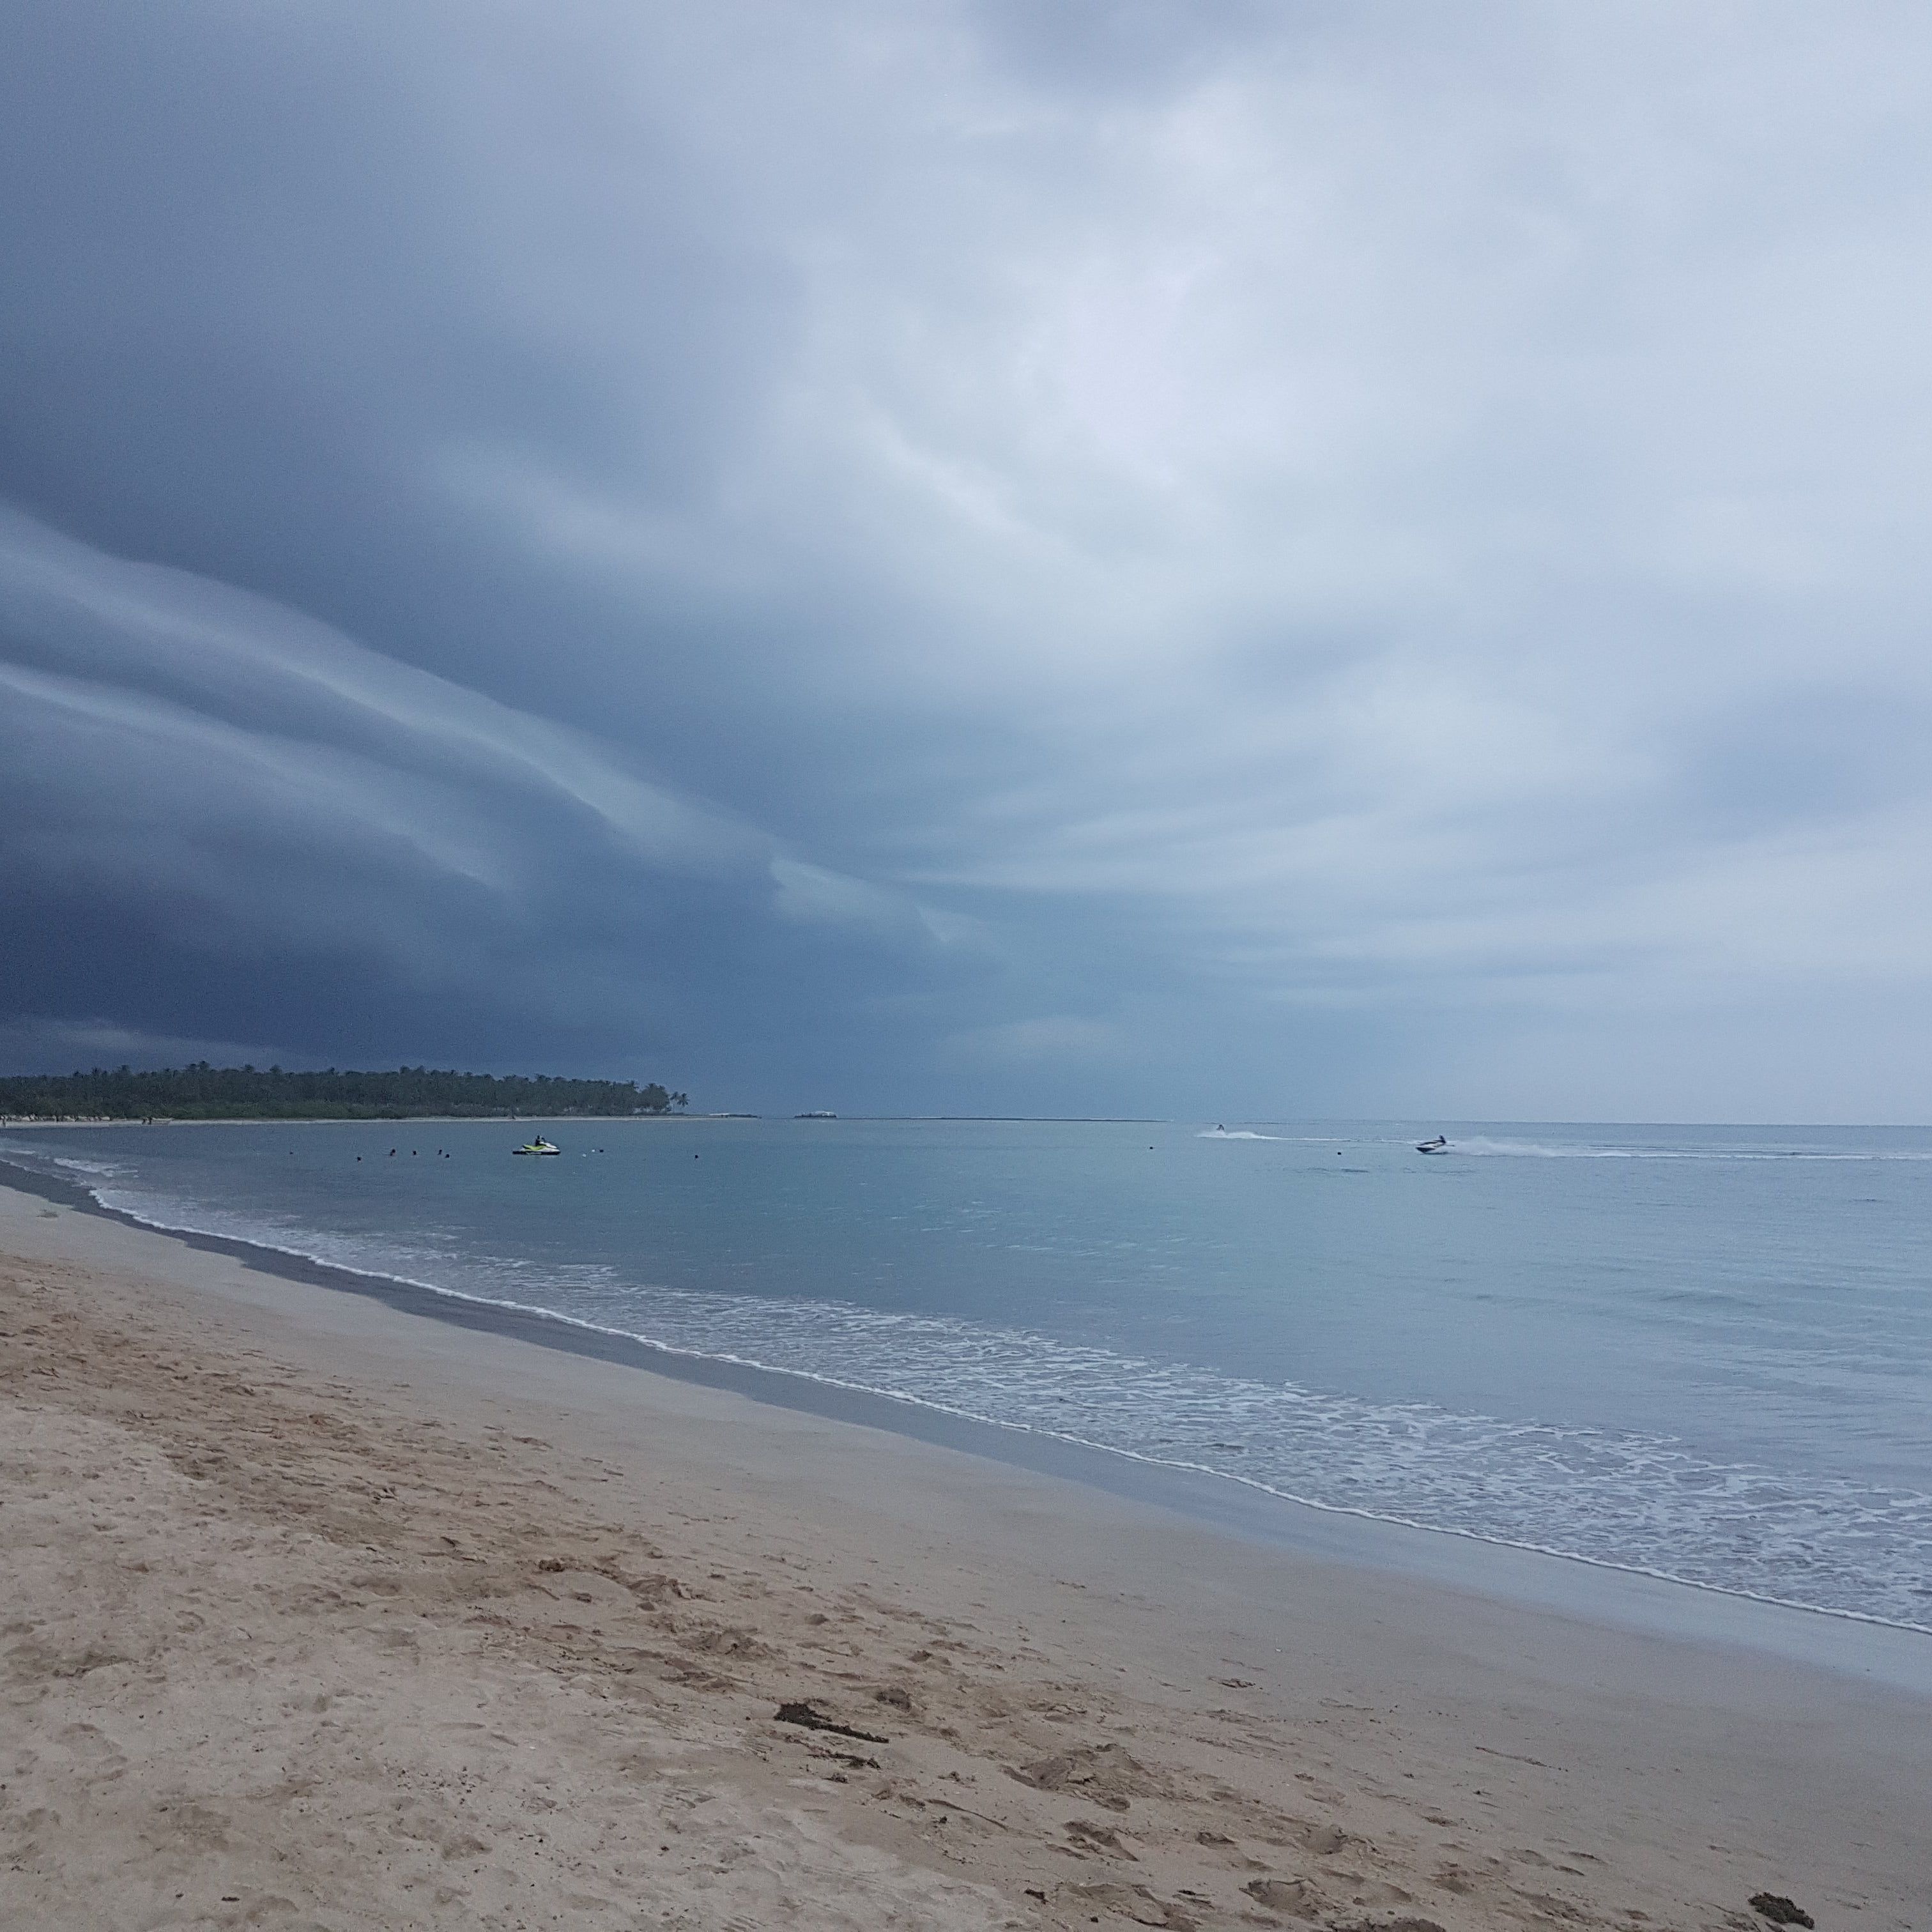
(73, 1164)
(39, 1159)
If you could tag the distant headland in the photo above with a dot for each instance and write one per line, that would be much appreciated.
(200, 1092)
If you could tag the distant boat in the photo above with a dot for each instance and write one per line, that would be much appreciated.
(539, 1145)
(815, 1117)
(1438, 1145)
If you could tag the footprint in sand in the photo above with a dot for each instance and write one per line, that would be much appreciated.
(1103, 1774)
(1293, 1895)
(1089, 1833)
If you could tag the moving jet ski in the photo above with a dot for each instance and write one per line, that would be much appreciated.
(539, 1145)
(1438, 1145)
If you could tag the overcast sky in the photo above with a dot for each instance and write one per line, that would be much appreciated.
(1191, 559)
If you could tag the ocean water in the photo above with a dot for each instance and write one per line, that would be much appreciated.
(1701, 1354)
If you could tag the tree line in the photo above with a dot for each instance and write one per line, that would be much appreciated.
(200, 1092)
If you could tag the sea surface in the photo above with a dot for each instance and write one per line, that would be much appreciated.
(1702, 1354)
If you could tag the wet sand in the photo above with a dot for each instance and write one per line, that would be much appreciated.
(316, 1613)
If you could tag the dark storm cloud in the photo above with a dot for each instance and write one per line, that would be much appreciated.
(1112, 557)
(220, 808)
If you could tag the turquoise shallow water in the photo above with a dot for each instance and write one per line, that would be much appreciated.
(1705, 1353)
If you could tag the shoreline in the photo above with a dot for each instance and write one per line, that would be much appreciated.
(538, 1607)
(1552, 1580)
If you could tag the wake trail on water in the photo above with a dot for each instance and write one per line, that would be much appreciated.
(1480, 1145)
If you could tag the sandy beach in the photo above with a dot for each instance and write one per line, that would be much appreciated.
(316, 1614)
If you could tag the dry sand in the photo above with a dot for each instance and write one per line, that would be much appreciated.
(318, 1615)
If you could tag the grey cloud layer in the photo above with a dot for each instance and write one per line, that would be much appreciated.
(243, 786)
(1122, 557)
